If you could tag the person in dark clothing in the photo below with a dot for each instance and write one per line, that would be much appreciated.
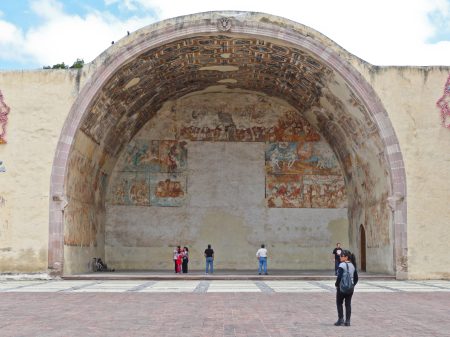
(209, 255)
(184, 265)
(348, 260)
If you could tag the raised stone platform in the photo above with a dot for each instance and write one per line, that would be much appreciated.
(221, 275)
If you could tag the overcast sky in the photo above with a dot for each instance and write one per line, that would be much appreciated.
(35, 33)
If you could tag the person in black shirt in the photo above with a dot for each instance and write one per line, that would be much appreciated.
(209, 255)
(184, 265)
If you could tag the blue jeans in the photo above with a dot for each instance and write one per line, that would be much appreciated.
(262, 265)
(209, 265)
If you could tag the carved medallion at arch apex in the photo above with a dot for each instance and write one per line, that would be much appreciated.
(4, 111)
(224, 24)
(140, 87)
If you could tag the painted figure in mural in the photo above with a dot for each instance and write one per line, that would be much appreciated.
(209, 255)
(347, 278)
(444, 104)
(185, 259)
(261, 255)
(176, 252)
(169, 189)
(337, 257)
(4, 111)
(173, 155)
(139, 192)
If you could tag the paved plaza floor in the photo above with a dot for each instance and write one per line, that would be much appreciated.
(220, 308)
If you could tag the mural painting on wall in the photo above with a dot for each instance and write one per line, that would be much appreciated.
(173, 70)
(303, 175)
(246, 120)
(173, 156)
(85, 181)
(305, 191)
(81, 225)
(444, 104)
(142, 155)
(149, 174)
(301, 158)
(377, 217)
(131, 188)
(167, 190)
(4, 111)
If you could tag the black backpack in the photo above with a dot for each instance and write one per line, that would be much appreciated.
(346, 286)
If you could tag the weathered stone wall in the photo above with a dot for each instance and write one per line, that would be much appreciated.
(39, 104)
(84, 215)
(236, 191)
(410, 96)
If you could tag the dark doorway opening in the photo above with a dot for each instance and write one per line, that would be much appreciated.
(362, 247)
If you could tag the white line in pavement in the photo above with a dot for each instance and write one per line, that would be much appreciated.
(218, 286)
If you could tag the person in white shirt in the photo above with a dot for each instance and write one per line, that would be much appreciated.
(261, 255)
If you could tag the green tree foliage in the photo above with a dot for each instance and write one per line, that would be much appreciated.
(79, 63)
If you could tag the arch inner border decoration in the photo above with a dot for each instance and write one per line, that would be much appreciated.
(241, 24)
(4, 111)
(444, 104)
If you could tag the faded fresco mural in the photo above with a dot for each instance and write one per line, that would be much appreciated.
(150, 174)
(304, 175)
(82, 224)
(142, 155)
(364, 162)
(4, 111)
(302, 170)
(444, 104)
(131, 188)
(167, 189)
(140, 88)
(86, 185)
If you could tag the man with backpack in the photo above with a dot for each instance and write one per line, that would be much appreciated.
(347, 278)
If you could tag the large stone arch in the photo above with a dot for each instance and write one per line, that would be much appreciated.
(314, 76)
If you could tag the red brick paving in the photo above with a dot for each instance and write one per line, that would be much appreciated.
(227, 314)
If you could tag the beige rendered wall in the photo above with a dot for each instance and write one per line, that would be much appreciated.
(39, 103)
(409, 95)
(41, 100)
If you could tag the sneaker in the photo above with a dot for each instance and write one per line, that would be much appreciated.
(347, 323)
(339, 322)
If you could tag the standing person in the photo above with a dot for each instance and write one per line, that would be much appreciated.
(337, 254)
(175, 256)
(261, 255)
(348, 264)
(179, 259)
(185, 260)
(209, 255)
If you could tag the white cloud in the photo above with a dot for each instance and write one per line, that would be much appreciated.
(63, 37)
(47, 9)
(11, 41)
(382, 33)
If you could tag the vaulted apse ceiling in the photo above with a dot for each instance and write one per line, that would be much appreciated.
(137, 91)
